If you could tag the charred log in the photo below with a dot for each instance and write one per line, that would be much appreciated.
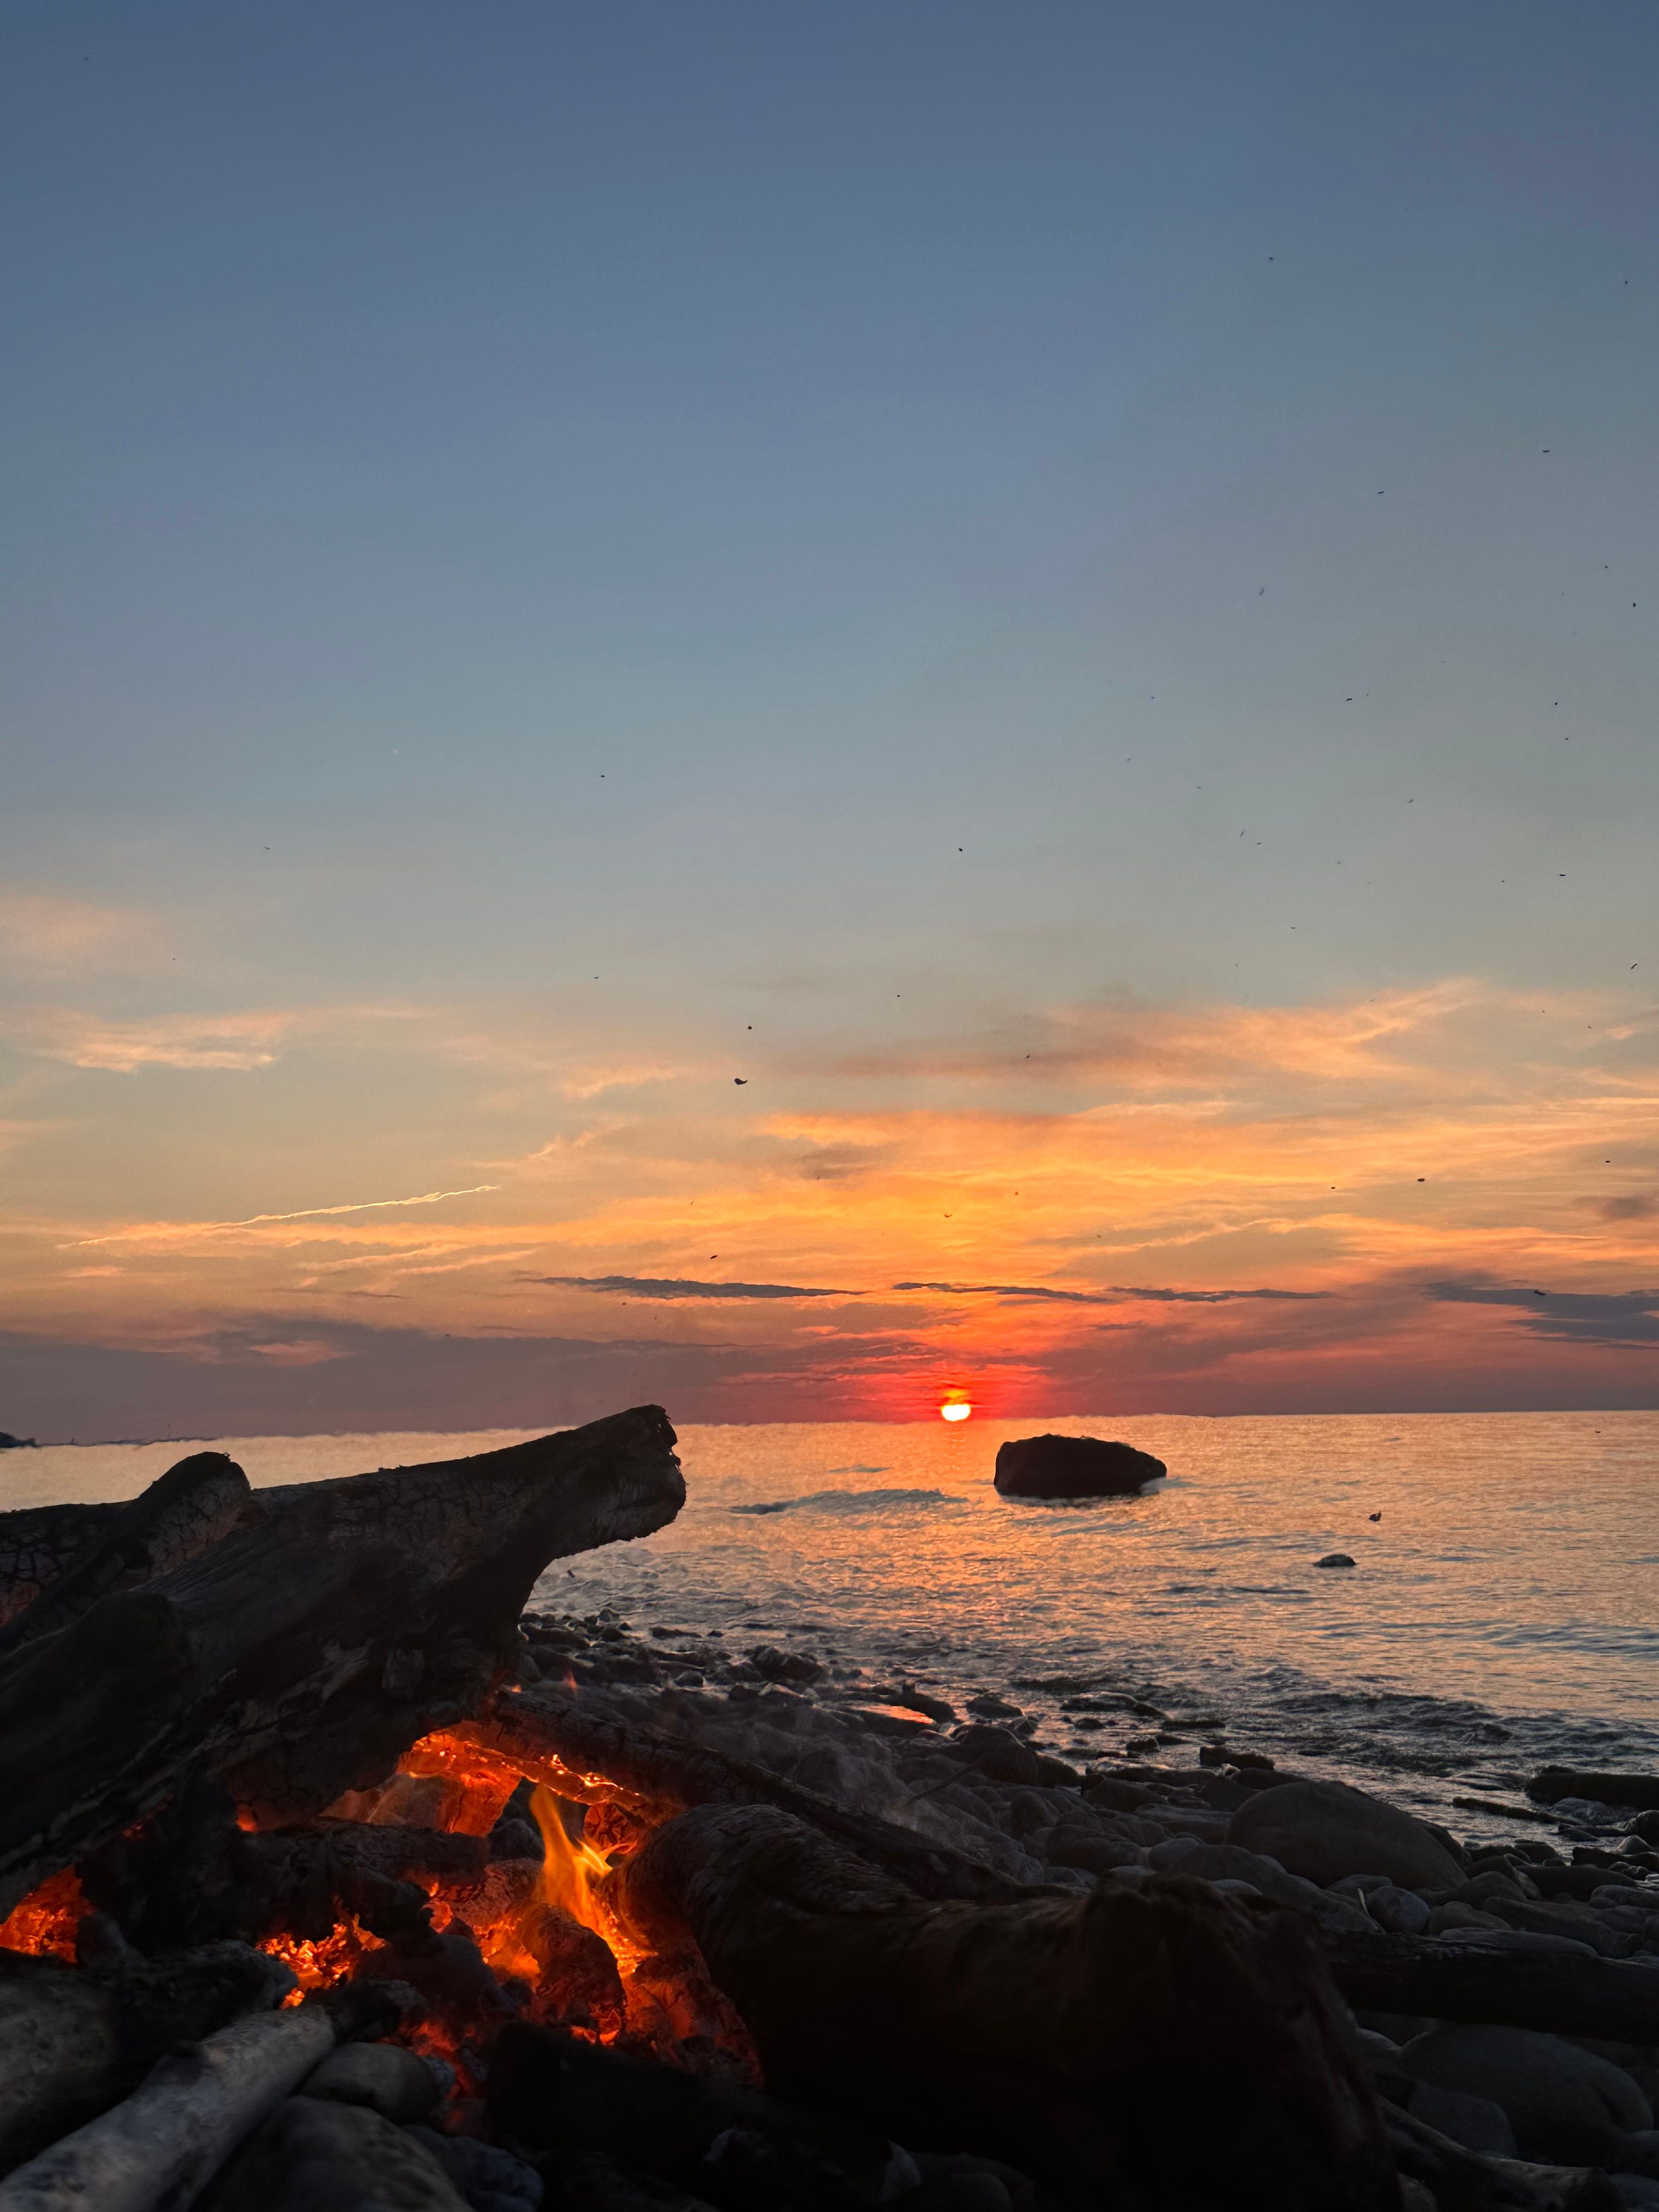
(1561, 1992)
(191, 1875)
(1074, 2037)
(579, 1748)
(299, 1656)
(72, 2042)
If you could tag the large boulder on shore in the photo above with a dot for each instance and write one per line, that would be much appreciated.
(1074, 1466)
(1324, 1829)
(1567, 2106)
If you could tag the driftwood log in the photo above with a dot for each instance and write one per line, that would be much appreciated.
(575, 1743)
(1561, 1992)
(1168, 2047)
(71, 2042)
(304, 1651)
(163, 2143)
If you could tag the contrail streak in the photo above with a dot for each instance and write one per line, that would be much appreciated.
(363, 1205)
(303, 1213)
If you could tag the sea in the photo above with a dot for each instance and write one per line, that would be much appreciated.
(1500, 1614)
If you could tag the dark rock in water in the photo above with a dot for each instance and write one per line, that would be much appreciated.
(989, 1707)
(10, 1443)
(1555, 1783)
(1074, 1466)
(1335, 1560)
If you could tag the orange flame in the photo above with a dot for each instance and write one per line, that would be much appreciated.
(572, 1874)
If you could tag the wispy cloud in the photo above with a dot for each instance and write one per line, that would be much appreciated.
(236, 1042)
(53, 935)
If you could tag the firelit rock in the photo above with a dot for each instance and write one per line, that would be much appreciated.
(1074, 1466)
(388, 2079)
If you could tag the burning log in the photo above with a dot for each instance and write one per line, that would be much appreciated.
(572, 1742)
(299, 1655)
(1561, 1992)
(1073, 2037)
(165, 2140)
(72, 2042)
(192, 1876)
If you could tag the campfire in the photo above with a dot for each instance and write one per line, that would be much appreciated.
(319, 1855)
(519, 1913)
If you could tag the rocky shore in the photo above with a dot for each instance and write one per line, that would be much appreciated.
(1580, 1884)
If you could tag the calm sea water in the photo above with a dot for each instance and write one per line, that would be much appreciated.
(1501, 1613)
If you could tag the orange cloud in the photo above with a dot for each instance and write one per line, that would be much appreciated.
(1197, 1199)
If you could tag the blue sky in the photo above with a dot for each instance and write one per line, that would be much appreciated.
(554, 535)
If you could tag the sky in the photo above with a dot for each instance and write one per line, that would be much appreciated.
(785, 709)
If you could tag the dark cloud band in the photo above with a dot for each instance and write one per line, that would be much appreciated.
(675, 1286)
(1113, 1295)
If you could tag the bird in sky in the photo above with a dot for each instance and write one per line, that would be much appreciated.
(739, 1078)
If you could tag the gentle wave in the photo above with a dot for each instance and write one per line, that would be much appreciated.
(848, 1501)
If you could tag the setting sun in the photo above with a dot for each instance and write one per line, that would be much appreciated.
(957, 1410)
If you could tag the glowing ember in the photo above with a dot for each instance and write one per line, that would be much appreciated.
(44, 1923)
(331, 1957)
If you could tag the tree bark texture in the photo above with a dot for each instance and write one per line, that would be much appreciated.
(1163, 2050)
(300, 1654)
(183, 1514)
(39, 1545)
